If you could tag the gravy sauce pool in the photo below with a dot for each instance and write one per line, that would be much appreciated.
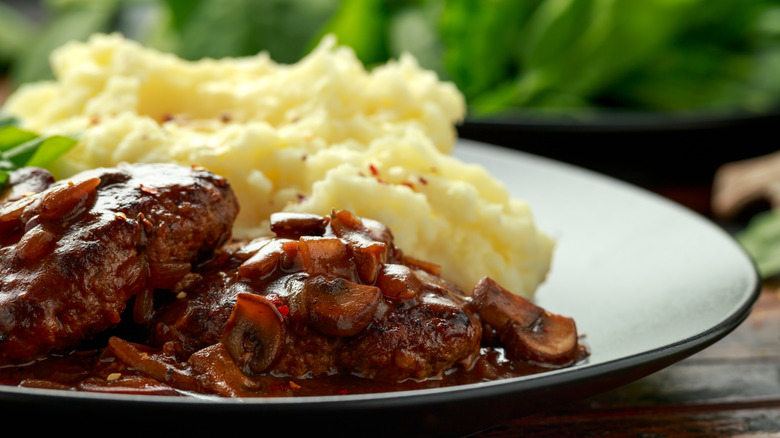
(96, 371)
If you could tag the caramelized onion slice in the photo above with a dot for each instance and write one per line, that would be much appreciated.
(67, 200)
(134, 385)
(143, 306)
(431, 268)
(35, 244)
(222, 376)
(527, 331)
(165, 275)
(338, 307)
(153, 363)
(253, 333)
(11, 215)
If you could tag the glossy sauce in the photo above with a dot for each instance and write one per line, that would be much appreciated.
(96, 371)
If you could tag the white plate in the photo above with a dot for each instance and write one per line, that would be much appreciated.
(648, 282)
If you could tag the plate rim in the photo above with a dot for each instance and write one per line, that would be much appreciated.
(631, 367)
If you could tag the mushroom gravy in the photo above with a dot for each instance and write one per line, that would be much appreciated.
(328, 306)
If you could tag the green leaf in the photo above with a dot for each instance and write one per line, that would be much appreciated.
(22, 154)
(20, 148)
(11, 136)
(50, 149)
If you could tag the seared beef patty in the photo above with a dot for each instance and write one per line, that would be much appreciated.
(76, 251)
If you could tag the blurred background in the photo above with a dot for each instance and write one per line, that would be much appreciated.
(659, 93)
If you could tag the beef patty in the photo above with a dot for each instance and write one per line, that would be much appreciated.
(75, 252)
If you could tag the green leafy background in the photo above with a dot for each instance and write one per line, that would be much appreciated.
(505, 55)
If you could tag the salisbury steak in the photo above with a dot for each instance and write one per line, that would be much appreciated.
(73, 254)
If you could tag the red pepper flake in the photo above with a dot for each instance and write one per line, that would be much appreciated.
(342, 391)
(423, 181)
(301, 197)
(149, 190)
(373, 169)
(408, 184)
(280, 306)
(545, 329)
(94, 120)
(274, 299)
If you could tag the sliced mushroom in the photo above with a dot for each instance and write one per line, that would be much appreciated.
(369, 245)
(526, 331)
(398, 282)
(345, 224)
(222, 375)
(368, 260)
(247, 250)
(325, 256)
(253, 333)
(338, 307)
(267, 258)
(295, 225)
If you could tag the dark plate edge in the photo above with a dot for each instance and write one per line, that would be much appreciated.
(430, 413)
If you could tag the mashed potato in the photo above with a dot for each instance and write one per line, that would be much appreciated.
(320, 134)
